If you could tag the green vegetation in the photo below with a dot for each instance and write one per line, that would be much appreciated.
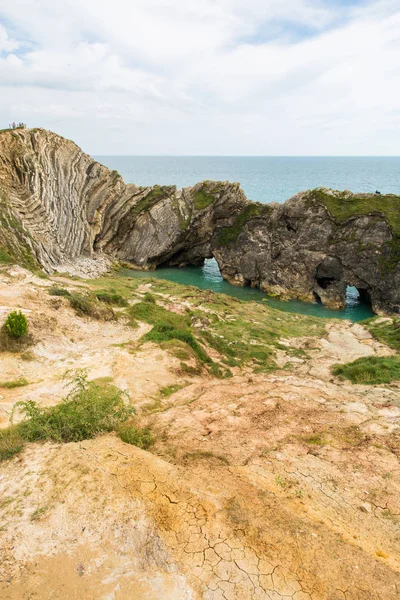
(385, 331)
(229, 235)
(206, 195)
(89, 409)
(342, 206)
(149, 298)
(370, 370)
(136, 436)
(85, 305)
(5, 257)
(167, 326)
(20, 382)
(112, 299)
(168, 390)
(156, 193)
(58, 291)
(16, 324)
(14, 239)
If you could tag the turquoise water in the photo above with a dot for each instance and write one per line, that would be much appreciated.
(263, 178)
(208, 277)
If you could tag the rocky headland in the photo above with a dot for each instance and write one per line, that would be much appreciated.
(58, 207)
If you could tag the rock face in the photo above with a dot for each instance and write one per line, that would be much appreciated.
(57, 206)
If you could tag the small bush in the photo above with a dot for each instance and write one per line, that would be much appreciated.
(84, 305)
(16, 324)
(149, 298)
(370, 370)
(89, 409)
(112, 299)
(57, 291)
(20, 382)
(142, 438)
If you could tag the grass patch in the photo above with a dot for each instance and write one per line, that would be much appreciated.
(149, 298)
(316, 440)
(370, 370)
(386, 332)
(136, 436)
(168, 390)
(5, 257)
(90, 408)
(153, 314)
(11, 443)
(111, 299)
(342, 206)
(59, 291)
(85, 305)
(9, 385)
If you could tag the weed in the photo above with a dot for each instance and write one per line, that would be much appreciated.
(20, 382)
(136, 436)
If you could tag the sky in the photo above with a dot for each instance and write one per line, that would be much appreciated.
(205, 77)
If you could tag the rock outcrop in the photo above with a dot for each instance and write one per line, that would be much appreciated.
(57, 205)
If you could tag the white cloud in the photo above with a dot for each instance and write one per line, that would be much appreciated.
(216, 77)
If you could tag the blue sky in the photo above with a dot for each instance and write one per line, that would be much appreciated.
(266, 77)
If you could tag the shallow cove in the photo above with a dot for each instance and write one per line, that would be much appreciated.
(208, 277)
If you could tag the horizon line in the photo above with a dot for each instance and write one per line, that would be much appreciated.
(253, 155)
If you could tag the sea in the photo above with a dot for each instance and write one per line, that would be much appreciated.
(263, 179)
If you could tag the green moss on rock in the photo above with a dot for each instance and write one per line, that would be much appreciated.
(343, 206)
(229, 235)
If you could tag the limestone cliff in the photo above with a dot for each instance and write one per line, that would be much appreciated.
(58, 205)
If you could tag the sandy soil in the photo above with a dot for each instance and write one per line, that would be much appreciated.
(280, 486)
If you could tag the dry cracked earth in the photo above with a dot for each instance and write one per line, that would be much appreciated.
(280, 486)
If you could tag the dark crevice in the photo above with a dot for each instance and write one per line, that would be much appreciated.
(325, 282)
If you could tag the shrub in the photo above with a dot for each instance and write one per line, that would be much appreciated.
(370, 370)
(16, 324)
(57, 291)
(112, 299)
(84, 305)
(149, 298)
(89, 409)
(136, 436)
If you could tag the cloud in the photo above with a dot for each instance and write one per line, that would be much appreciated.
(220, 76)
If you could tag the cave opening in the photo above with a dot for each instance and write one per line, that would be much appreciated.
(357, 296)
(325, 282)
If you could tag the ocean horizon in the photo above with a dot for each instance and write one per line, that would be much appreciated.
(263, 178)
